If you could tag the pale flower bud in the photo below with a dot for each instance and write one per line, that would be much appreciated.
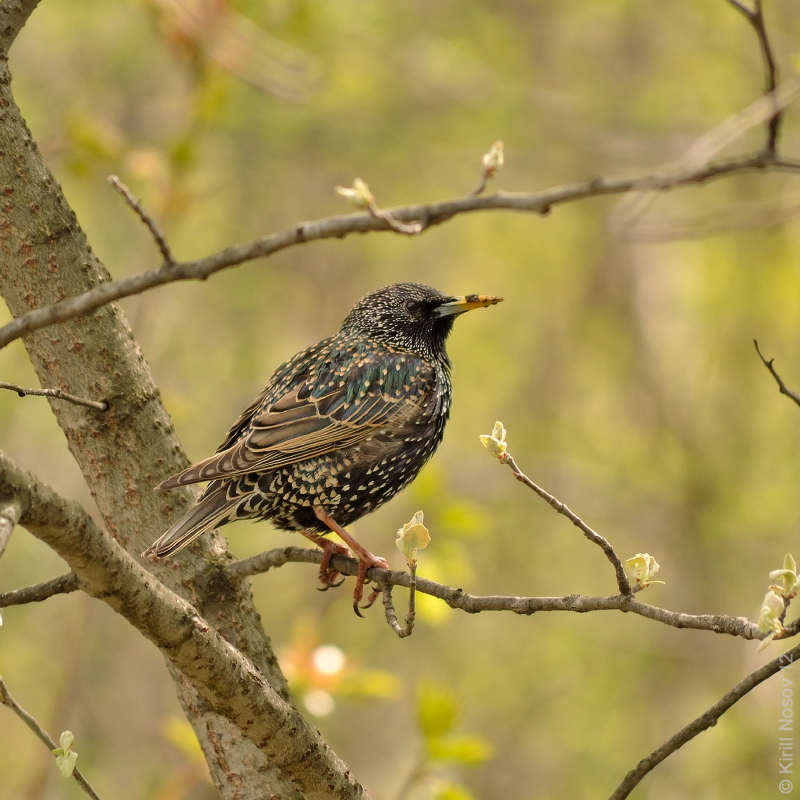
(641, 568)
(495, 442)
(493, 160)
(413, 536)
(358, 195)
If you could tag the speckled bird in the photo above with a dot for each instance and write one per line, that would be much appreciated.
(339, 429)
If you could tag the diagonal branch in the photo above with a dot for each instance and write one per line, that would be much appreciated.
(338, 227)
(7, 700)
(704, 721)
(226, 678)
(781, 385)
(592, 535)
(144, 216)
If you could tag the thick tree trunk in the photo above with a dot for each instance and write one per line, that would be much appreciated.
(125, 451)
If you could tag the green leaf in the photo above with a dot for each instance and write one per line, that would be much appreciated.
(66, 762)
(466, 750)
(437, 710)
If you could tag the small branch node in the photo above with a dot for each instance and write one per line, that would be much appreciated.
(64, 584)
(156, 232)
(781, 385)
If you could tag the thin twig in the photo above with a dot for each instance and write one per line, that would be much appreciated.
(9, 517)
(409, 229)
(475, 604)
(704, 721)
(344, 225)
(755, 16)
(23, 391)
(388, 605)
(781, 385)
(7, 700)
(155, 231)
(592, 535)
(64, 584)
(490, 163)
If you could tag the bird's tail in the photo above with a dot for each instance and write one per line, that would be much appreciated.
(210, 512)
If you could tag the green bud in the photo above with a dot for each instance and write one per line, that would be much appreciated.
(495, 442)
(784, 581)
(493, 160)
(413, 536)
(65, 755)
(358, 196)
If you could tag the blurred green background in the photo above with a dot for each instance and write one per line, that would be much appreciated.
(622, 366)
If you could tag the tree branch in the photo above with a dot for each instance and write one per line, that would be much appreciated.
(13, 16)
(64, 584)
(704, 721)
(155, 231)
(338, 227)
(622, 579)
(222, 674)
(475, 604)
(23, 391)
(781, 385)
(755, 16)
(7, 700)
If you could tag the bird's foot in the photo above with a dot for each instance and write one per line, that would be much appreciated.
(327, 576)
(365, 561)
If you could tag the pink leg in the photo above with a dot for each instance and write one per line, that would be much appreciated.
(365, 558)
(327, 576)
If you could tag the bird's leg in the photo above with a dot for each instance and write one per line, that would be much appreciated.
(327, 575)
(365, 558)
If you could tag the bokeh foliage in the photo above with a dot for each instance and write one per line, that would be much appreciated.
(623, 370)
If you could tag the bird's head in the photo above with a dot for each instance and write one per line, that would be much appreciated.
(411, 316)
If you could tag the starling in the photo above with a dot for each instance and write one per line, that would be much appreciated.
(338, 430)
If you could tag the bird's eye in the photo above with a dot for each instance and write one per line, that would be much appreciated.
(413, 307)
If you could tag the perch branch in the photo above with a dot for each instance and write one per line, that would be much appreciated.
(23, 391)
(704, 721)
(340, 226)
(781, 385)
(475, 604)
(7, 700)
(64, 584)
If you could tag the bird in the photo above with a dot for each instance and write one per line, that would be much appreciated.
(339, 429)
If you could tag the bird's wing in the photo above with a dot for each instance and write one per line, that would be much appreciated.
(338, 410)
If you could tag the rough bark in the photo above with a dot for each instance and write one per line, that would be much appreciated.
(125, 451)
